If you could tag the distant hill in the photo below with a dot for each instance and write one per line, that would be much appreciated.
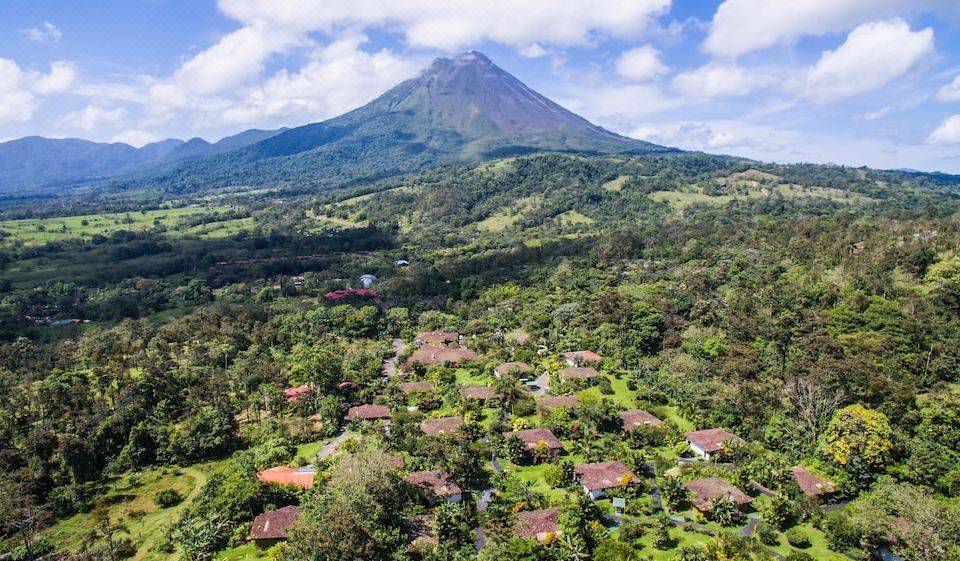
(463, 109)
(35, 163)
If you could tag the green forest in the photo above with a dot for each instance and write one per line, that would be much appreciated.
(163, 356)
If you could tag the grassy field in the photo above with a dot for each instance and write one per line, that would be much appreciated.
(680, 200)
(38, 231)
(574, 218)
(616, 185)
(246, 552)
(505, 218)
(223, 229)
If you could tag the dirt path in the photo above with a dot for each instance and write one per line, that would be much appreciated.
(390, 365)
(333, 446)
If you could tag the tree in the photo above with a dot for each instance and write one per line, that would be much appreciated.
(812, 404)
(615, 550)
(661, 533)
(858, 433)
(672, 491)
(724, 511)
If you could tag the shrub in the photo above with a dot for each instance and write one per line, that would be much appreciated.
(767, 534)
(124, 548)
(797, 538)
(39, 547)
(798, 556)
(631, 530)
(166, 498)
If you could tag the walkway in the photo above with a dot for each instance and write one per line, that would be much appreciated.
(654, 490)
(331, 448)
(390, 364)
(543, 381)
(750, 527)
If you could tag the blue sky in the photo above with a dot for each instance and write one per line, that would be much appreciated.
(857, 82)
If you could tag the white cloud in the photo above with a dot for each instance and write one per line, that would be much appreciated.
(950, 92)
(741, 26)
(47, 33)
(454, 24)
(718, 80)
(640, 64)
(947, 133)
(19, 89)
(307, 95)
(94, 118)
(534, 50)
(688, 135)
(135, 137)
(873, 54)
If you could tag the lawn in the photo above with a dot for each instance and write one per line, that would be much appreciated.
(246, 552)
(38, 231)
(616, 185)
(535, 476)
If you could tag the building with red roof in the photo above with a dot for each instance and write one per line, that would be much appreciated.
(538, 524)
(436, 483)
(812, 484)
(501, 370)
(706, 443)
(441, 426)
(369, 412)
(571, 373)
(596, 478)
(412, 387)
(581, 358)
(704, 491)
(550, 402)
(282, 475)
(439, 338)
(297, 393)
(635, 418)
(478, 393)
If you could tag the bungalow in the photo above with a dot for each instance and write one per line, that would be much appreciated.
(635, 418)
(432, 354)
(478, 393)
(551, 402)
(436, 338)
(704, 491)
(811, 484)
(436, 483)
(539, 524)
(441, 426)
(282, 475)
(571, 373)
(271, 527)
(515, 368)
(296, 394)
(368, 412)
(414, 387)
(344, 294)
(537, 439)
(597, 478)
(706, 443)
(580, 358)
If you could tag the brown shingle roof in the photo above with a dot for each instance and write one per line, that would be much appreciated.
(369, 412)
(410, 387)
(533, 437)
(811, 484)
(603, 475)
(638, 418)
(704, 491)
(711, 440)
(273, 524)
(508, 367)
(443, 425)
(578, 373)
(537, 524)
(582, 357)
(288, 476)
(430, 354)
(436, 481)
(554, 401)
(478, 392)
(438, 337)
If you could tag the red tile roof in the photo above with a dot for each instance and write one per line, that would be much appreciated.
(704, 491)
(481, 393)
(508, 367)
(342, 294)
(578, 373)
(581, 357)
(273, 524)
(287, 476)
(410, 387)
(369, 412)
(711, 440)
(638, 418)
(443, 425)
(437, 482)
(811, 484)
(533, 437)
(554, 401)
(293, 394)
(603, 475)
(537, 524)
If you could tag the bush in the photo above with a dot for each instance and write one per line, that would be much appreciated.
(166, 498)
(798, 556)
(39, 547)
(631, 530)
(797, 538)
(124, 548)
(767, 534)
(605, 386)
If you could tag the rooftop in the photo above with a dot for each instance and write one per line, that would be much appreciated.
(554, 401)
(508, 367)
(443, 425)
(533, 437)
(578, 373)
(603, 475)
(436, 482)
(580, 357)
(432, 354)
(537, 523)
(635, 418)
(282, 475)
(273, 524)
(705, 491)
(810, 483)
(711, 440)
(437, 337)
(410, 387)
(369, 412)
(478, 392)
